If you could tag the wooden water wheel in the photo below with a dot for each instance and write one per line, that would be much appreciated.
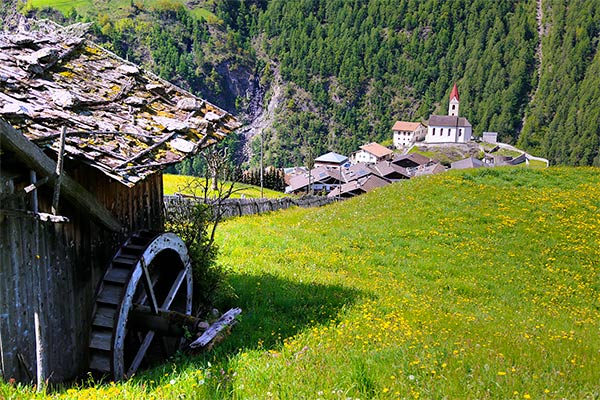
(143, 304)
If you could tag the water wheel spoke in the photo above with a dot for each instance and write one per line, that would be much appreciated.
(175, 288)
(143, 296)
(148, 285)
(141, 353)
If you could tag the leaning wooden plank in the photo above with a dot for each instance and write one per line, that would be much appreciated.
(34, 157)
(214, 329)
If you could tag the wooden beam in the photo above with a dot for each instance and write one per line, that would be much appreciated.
(34, 157)
(226, 319)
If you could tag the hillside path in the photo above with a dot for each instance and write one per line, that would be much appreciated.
(527, 155)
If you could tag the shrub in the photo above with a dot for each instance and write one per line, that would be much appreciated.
(194, 222)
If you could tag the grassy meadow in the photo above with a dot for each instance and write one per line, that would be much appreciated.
(186, 185)
(472, 285)
(115, 8)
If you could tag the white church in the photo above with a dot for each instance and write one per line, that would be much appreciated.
(449, 128)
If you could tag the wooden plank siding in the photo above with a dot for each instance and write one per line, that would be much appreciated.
(72, 258)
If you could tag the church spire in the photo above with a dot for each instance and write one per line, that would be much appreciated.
(454, 102)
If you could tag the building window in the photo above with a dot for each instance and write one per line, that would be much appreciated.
(453, 106)
(441, 131)
(448, 131)
(460, 132)
(433, 134)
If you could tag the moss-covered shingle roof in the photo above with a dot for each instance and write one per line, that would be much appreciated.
(118, 117)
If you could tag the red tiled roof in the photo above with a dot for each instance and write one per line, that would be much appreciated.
(405, 126)
(376, 149)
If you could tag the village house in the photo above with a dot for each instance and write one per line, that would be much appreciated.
(490, 137)
(84, 137)
(371, 153)
(291, 172)
(449, 128)
(320, 179)
(405, 134)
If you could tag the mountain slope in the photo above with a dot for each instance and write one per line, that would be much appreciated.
(367, 63)
(564, 118)
(317, 75)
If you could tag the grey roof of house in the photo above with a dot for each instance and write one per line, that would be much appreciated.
(298, 182)
(447, 120)
(372, 182)
(430, 169)
(359, 186)
(470, 162)
(412, 158)
(347, 190)
(323, 173)
(320, 174)
(357, 171)
(387, 168)
(331, 157)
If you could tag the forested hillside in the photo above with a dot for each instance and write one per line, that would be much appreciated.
(368, 63)
(563, 122)
(335, 74)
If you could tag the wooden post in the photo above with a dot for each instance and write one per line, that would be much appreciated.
(38, 320)
(34, 198)
(59, 171)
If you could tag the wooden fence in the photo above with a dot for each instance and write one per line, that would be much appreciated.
(240, 207)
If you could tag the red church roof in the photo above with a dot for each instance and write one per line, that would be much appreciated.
(454, 93)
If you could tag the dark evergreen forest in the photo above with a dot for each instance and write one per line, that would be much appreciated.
(347, 69)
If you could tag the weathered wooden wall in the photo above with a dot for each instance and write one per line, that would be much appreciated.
(71, 259)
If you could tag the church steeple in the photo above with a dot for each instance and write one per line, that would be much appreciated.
(454, 102)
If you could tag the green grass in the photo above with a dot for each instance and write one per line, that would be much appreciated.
(64, 6)
(115, 8)
(439, 155)
(466, 285)
(537, 164)
(508, 153)
(185, 184)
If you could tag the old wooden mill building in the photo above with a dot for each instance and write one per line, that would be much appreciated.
(84, 135)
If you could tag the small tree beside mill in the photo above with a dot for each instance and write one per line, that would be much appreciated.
(89, 279)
